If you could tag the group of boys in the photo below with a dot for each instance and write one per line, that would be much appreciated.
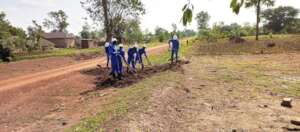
(115, 53)
(116, 56)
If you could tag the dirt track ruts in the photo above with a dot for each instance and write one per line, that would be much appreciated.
(45, 75)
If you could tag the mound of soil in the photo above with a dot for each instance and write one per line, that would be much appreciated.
(104, 80)
(237, 40)
(271, 44)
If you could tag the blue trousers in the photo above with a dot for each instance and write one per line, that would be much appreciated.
(174, 53)
(131, 62)
(120, 66)
(140, 60)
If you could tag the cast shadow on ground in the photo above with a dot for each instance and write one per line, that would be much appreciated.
(104, 80)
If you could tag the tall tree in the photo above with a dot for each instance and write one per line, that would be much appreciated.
(257, 4)
(4, 26)
(279, 18)
(7, 30)
(35, 31)
(133, 32)
(161, 34)
(202, 19)
(85, 32)
(113, 13)
(57, 21)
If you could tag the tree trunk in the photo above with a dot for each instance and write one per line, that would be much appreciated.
(106, 21)
(257, 19)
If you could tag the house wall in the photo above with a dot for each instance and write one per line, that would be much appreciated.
(70, 42)
(88, 44)
(63, 42)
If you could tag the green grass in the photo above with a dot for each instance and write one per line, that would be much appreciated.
(131, 97)
(60, 53)
(284, 43)
(126, 99)
(164, 58)
(252, 72)
(73, 52)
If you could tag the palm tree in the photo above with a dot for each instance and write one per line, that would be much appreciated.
(237, 4)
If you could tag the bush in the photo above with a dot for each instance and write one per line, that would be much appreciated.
(5, 54)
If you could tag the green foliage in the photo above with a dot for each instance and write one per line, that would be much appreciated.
(162, 34)
(202, 19)
(85, 32)
(120, 11)
(237, 4)
(57, 21)
(58, 53)
(133, 32)
(187, 16)
(186, 33)
(12, 39)
(284, 44)
(34, 36)
(280, 19)
(293, 27)
(220, 30)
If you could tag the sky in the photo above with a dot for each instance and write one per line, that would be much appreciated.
(159, 13)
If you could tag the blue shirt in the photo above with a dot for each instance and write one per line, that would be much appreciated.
(132, 52)
(175, 44)
(142, 51)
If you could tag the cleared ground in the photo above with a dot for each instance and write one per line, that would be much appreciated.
(45, 100)
(214, 92)
(223, 93)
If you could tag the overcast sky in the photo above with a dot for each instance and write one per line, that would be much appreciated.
(160, 13)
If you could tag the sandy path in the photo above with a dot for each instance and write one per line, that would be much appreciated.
(44, 100)
(41, 76)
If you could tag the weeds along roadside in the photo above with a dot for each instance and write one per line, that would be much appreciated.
(276, 44)
(131, 97)
(67, 52)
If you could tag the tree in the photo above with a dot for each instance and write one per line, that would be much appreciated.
(279, 18)
(237, 4)
(4, 27)
(85, 32)
(161, 34)
(113, 13)
(202, 19)
(35, 35)
(294, 27)
(35, 32)
(133, 32)
(57, 21)
(7, 30)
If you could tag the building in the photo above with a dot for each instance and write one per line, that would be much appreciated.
(88, 43)
(60, 39)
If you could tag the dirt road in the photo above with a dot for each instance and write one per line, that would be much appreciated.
(52, 100)
(45, 75)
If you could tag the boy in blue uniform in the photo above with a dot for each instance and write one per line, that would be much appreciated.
(174, 48)
(132, 54)
(121, 57)
(115, 61)
(141, 52)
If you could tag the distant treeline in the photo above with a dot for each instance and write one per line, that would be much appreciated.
(280, 20)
